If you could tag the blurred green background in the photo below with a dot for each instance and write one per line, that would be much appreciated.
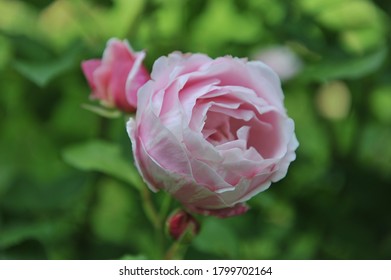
(66, 195)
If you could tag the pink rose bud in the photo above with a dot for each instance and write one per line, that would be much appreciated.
(182, 225)
(116, 78)
(212, 132)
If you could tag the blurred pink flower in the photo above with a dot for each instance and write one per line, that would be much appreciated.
(282, 60)
(116, 78)
(212, 132)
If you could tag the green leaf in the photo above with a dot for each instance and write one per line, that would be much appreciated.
(304, 247)
(375, 150)
(216, 237)
(39, 198)
(221, 23)
(128, 257)
(41, 73)
(6, 175)
(347, 69)
(349, 15)
(110, 221)
(380, 103)
(18, 233)
(105, 157)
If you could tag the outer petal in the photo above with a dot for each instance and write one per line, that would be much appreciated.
(136, 78)
(89, 67)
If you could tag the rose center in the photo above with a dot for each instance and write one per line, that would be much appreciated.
(260, 132)
(217, 129)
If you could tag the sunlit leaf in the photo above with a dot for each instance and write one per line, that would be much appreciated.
(222, 23)
(128, 257)
(18, 17)
(349, 14)
(361, 40)
(381, 103)
(5, 52)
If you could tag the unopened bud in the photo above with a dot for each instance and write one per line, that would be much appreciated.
(182, 226)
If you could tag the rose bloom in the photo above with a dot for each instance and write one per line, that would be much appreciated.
(212, 132)
(116, 78)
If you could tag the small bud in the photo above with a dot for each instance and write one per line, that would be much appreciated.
(116, 78)
(182, 226)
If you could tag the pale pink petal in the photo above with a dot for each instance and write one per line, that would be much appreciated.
(117, 51)
(116, 85)
(199, 148)
(136, 78)
(203, 174)
(266, 83)
(162, 145)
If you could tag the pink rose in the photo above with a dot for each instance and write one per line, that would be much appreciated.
(212, 132)
(116, 78)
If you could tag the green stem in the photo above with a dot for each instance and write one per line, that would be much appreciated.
(150, 210)
(165, 207)
(155, 219)
(177, 251)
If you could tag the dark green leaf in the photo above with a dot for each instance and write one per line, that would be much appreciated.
(13, 235)
(41, 73)
(346, 69)
(217, 238)
(28, 198)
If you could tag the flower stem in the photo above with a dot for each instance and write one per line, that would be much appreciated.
(155, 219)
(165, 207)
(150, 210)
(177, 251)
